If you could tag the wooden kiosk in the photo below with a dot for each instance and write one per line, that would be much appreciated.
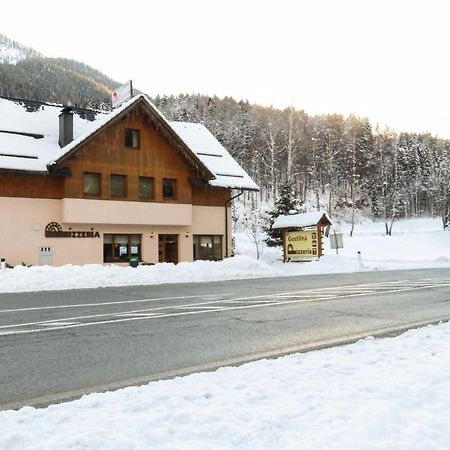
(302, 235)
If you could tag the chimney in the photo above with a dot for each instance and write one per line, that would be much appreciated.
(65, 126)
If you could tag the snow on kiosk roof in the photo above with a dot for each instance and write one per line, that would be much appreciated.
(29, 139)
(302, 220)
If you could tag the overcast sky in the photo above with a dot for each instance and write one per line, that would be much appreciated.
(384, 59)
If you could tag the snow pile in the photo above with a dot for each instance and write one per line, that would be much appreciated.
(44, 278)
(374, 394)
(38, 278)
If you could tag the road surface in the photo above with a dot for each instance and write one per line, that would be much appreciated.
(58, 345)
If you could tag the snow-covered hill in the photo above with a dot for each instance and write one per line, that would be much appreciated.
(26, 73)
(11, 52)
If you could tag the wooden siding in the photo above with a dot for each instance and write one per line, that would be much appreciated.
(106, 154)
(31, 185)
(210, 197)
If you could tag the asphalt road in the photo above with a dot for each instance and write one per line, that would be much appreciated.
(59, 345)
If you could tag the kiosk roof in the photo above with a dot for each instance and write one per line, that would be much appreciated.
(302, 220)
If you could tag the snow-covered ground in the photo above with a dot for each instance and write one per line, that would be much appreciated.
(391, 393)
(414, 243)
(417, 243)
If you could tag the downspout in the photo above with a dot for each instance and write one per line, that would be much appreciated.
(226, 219)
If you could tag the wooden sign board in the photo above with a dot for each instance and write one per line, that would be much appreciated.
(302, 245)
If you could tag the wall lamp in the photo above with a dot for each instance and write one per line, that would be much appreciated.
(152, 234)
(187, 234)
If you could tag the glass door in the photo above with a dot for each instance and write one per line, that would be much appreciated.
(168, 248)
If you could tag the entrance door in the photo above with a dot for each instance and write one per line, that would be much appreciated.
(168, 248)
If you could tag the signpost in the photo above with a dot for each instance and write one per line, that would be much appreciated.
(301, 245)
(336, 241)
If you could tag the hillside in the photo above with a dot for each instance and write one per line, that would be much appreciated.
(25, 73)
(11, 52)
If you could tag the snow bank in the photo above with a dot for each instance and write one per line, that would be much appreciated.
(39, 278)
(45, 278)
(374, 394)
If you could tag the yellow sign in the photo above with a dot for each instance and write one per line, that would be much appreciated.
(301, 245)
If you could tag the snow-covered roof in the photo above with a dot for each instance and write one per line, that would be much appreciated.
(29, 133)
(213, 155)
(302, 220)
(29, 136)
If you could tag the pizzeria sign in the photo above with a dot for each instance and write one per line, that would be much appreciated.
(301, 245)
(54, 230)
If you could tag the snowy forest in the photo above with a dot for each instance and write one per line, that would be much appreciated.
(335, 163)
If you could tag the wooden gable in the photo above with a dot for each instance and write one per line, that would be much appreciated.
(107, 155)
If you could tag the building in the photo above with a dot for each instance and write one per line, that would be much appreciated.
(82, 186)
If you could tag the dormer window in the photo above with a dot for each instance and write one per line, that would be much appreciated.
(132, 138)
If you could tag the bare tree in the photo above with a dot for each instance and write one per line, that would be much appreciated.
(254, 224)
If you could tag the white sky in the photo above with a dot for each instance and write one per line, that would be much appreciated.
(385, 59)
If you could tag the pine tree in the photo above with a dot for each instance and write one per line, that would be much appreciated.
(286, 203)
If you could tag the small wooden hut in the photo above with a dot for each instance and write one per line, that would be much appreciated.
(302, 235)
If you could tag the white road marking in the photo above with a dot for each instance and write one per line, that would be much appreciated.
(256, 300)
(137, 315)
(58, 323)
(215, 308)
(282, 298)
(121, 302)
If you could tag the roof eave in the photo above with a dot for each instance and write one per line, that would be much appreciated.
(243, 188)
(24, 171)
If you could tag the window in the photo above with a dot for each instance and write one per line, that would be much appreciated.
(207, 247)
(169, 189)
(132, 138)
(146, 188)
(91, 184)
(119, 247)
(118, 186)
